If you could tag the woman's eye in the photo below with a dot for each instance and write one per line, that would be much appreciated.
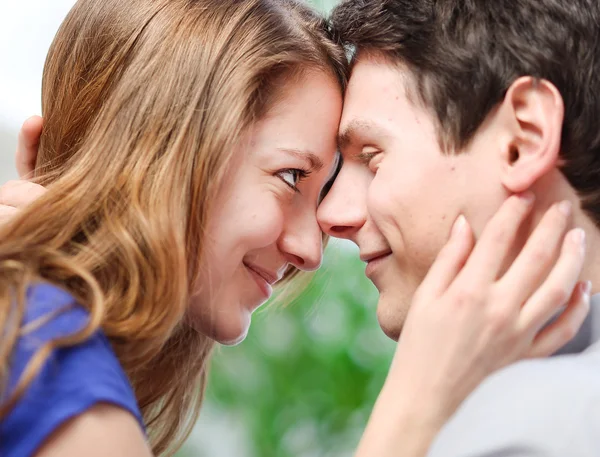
(292, 177)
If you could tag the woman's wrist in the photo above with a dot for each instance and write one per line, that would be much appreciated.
(404, 422)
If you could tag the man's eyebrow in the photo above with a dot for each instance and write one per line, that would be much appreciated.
(312, 160)
(355, 129)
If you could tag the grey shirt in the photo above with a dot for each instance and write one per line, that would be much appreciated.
(543, 408)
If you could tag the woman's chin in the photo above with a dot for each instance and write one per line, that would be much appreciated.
(228, 330)
(233, 341)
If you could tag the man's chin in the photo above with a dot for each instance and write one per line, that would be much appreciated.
(391, 317)
(391, 331)
(396, 293)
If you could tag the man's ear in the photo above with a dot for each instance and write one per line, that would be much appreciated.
(532, 113)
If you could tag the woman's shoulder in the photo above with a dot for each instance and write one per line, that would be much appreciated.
(51, 312)
(69, 382)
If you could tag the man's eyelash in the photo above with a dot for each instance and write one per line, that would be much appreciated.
(366, 157)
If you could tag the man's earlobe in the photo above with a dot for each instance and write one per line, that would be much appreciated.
(533, 113)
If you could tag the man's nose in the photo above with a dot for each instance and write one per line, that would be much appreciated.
(344, 210)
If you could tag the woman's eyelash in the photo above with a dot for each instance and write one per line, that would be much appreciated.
(300, 173)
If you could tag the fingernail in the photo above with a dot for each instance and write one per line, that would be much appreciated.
(527, 197)
(587, 287)
(565, 207)
(459, 225)
(578, 236)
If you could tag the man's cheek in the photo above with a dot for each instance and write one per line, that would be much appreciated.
(388, 216)
(381, 204)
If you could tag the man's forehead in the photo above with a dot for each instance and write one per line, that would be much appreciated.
(375, 80)
(379, 95)
(370, 67)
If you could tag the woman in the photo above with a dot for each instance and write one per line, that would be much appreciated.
(185, 149)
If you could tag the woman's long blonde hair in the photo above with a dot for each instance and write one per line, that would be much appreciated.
(144, 102)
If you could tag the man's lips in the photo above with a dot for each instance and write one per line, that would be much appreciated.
(374, 260)
(371, 257)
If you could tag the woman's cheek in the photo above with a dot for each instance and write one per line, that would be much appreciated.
(266, 224)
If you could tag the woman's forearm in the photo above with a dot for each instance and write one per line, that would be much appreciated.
(402, 424)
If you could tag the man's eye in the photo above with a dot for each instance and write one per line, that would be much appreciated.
(366, 157)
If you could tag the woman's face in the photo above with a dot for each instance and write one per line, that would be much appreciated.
(264, 220)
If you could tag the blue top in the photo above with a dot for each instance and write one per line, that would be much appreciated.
(71, 381)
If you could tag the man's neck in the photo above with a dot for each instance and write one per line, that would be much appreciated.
(589, 333)
(553, 188)
(591, 266)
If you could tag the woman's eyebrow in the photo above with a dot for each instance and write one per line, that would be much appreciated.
(312, 160)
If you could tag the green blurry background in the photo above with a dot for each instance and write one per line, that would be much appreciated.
(304, 381)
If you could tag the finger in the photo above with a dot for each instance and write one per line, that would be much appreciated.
(558, 286)
(27, 146)
(538, 256)
(20, 193)
(7, 213)
(566, 326)
(450, 259)
(497, 239)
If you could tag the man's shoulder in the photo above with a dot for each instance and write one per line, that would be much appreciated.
(535, 407)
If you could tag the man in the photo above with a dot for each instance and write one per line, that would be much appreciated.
(452, 106)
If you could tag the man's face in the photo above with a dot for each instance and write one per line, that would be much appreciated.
(397, 194)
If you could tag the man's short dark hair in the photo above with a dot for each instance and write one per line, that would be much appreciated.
(464, 55)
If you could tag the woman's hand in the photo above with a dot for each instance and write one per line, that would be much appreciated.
(17, 194)
(469, 318)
